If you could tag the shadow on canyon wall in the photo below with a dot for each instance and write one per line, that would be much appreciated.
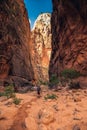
(69, 37)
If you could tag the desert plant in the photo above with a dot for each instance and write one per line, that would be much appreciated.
(70, 73)
(2, 94)
(9, 91)
(53, 81)
(43, 82)
(16, 101)
(50, 96)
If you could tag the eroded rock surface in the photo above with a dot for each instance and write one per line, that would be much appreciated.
(41, 37)
(69, 36)
(15, 55)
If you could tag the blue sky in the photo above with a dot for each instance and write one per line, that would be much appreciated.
(35, 7)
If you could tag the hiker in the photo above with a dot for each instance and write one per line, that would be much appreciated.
(6, 84)
(38, 90)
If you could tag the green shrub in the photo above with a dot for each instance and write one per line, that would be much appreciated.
(2, 94)
(50, 96)
(16, 101)
(9, 91)
(70, 73)
(43, 82)
(53, 81)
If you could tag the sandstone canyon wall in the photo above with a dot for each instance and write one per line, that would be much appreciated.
(69, 36)
(15, 55)
(41, 40)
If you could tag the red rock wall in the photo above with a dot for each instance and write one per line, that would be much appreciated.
(69, 36)
(15, 54)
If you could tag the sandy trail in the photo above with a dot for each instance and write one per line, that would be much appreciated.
(19, 122)
(69, 110)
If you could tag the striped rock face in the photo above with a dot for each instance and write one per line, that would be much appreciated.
(41, 37)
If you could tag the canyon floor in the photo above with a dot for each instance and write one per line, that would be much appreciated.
(67, 112)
